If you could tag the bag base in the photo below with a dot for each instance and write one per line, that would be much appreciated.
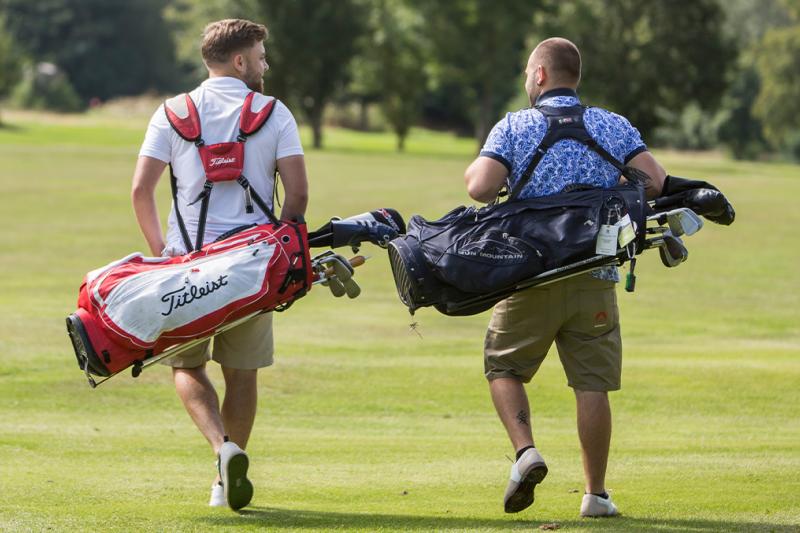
(84, 352)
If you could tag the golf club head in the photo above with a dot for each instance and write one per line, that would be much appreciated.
(336, 287)
(351, 288)
(341, 268)
(683, 221)
(672, 251)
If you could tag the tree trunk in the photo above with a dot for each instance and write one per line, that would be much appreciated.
(316, 126)
(401, 142)
(483, 124)
(363, 116)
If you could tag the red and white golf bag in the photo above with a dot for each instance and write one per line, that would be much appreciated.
(135, 308)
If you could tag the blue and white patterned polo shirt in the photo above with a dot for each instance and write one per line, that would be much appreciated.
(514, 139)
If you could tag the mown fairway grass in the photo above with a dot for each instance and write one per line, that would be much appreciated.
(363, 425)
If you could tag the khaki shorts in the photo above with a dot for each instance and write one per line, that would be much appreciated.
(579, 313)
(245, 347)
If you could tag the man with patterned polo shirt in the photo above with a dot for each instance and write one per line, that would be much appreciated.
(580, 314)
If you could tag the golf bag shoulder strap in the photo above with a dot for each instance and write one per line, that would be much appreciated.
(249, 121)
(173, 183)
(182, 115)
(221, 162)
(562, 123)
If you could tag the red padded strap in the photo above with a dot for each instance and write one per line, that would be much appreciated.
(249, 122)
(183, 117)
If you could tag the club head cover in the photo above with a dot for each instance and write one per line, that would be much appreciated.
(672, 251)
(711, 204)
(354, 232)
(700, 196)
(390, 217)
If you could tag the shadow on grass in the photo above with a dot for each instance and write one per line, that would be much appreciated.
(276, 518)
(5, 126)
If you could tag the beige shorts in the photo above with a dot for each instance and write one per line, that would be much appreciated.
(580, 314)
(245, 347)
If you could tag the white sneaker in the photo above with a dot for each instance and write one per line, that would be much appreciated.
(233, 464)
(217, 496)
(526, 473)
(594, 506)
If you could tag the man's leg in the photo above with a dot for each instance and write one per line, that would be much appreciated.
(200, 400)
(511, 403)
(517, 340)
(239, 405)
(594, 431)
(240, 352)
(529, 469)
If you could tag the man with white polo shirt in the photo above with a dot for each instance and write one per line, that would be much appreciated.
(233, 51)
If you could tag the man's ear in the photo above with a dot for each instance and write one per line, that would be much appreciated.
(541, 75)
(239, 63)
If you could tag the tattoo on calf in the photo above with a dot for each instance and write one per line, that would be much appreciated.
(522, 417)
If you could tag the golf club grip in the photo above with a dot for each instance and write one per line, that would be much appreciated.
(354, 262)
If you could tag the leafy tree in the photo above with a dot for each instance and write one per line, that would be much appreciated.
(778, 102)
(741, 130)
(641, 56)
(392, 65)
(105, 48)
(9, 62)
(310, 46)
(747, 21)
(477, 51)
(188, 18)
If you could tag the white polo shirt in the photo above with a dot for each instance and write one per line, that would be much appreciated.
(219, 103)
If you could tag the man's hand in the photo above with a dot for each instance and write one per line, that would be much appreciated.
(143, 195)
(484, 179)
(295, 185)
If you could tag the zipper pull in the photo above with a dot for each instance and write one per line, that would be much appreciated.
(248, 200)
(630, 279)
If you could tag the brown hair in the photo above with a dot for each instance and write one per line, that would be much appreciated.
(561, 58)
(224, 37)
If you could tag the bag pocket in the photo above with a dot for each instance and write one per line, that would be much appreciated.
(485, 262)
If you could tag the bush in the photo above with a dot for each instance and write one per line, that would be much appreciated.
(791, 145)
(44, 86)
(354, 115)
(690, 129)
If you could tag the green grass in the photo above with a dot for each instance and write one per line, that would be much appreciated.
(362, 424)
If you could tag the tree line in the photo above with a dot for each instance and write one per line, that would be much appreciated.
(691, 74)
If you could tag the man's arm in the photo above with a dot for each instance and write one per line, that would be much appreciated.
(648, 164)
(295, 185)
(143, 195)
(484, 178)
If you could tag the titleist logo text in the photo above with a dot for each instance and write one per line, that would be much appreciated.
(190, 293)
(216, 161)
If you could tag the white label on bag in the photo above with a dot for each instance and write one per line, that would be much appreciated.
(607, 240)
(626, 231)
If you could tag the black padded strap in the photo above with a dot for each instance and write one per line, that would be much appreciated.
(201, 223)
(173, 181)
(562, 123)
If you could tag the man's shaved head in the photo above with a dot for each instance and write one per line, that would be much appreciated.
(561, 59)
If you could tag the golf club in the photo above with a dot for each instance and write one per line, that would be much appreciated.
(672, 251)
